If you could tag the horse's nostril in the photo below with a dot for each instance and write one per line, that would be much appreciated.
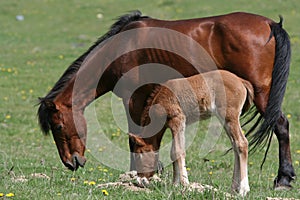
(70, 166)
(78, 160)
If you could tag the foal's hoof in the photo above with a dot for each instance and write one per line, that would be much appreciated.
(142, 182)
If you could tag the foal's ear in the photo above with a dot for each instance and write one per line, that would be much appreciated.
(136, 139)
(50, 105)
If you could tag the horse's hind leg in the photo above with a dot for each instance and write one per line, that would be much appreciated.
(177, 126)
(239, 142)
(286, 171)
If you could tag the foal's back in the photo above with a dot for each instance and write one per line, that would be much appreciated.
(213, 93)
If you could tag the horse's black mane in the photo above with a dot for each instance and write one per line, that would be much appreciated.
(43, 112)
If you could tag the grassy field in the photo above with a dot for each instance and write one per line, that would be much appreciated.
(36, 50)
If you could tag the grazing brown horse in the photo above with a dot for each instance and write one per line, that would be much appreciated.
(253, 47)
(180, 102)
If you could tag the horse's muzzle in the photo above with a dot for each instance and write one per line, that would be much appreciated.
(77, 161)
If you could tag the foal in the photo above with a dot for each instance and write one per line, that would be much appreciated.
(180, 102)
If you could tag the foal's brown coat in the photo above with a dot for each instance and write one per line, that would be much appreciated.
(180, 102)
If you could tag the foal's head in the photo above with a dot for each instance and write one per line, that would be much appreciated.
(145, 155)
(69, 131)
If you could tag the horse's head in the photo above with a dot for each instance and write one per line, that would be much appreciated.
(145, 156)
(69, 131)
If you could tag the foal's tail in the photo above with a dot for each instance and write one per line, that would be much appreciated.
(250, 95)
(279, 80)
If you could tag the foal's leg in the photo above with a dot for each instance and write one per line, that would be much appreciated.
(286, 171)
(177, 126)
(239, 142)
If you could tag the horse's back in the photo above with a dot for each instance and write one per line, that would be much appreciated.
(236, 42)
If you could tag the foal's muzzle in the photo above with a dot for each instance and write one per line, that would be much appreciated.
(76, 162)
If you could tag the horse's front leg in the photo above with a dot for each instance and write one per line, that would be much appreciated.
(133, 110)
(286, 171)
(177, 126)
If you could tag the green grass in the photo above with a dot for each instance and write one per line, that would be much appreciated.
(35, 52)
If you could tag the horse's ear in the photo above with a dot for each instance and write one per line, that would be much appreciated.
(136, 139)
(50, 105)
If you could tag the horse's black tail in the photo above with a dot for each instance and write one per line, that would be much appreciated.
(279, 80)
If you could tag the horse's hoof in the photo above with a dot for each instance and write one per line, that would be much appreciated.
(280, 188)
(283, 183)
(160, 167)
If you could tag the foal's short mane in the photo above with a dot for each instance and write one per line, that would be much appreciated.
(145, 119)
(43, 112)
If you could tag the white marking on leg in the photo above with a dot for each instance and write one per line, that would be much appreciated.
(244, 188)
(184, 174)
(142, 181)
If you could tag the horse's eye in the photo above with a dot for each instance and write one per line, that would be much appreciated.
(58, 127)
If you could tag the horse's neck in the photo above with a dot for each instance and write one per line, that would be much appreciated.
(78, 94)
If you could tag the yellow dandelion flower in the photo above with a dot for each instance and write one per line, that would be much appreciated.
(296, 162)
(58, 194)
(31, 91)
(1, 194)
(22, 92)
(100, 149)
(250, 163)
(288, 116)
(7, 116)
(92, 183)
(298, 151)
(105, 170)
(10, 195)
(188, 169)
(104, 192)
(9, 70)
(61, 57)
(243, 131)
(91, 169)
(73, 179)
(212, 161)
(85, 182)
(210, 173)
(88, 150)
